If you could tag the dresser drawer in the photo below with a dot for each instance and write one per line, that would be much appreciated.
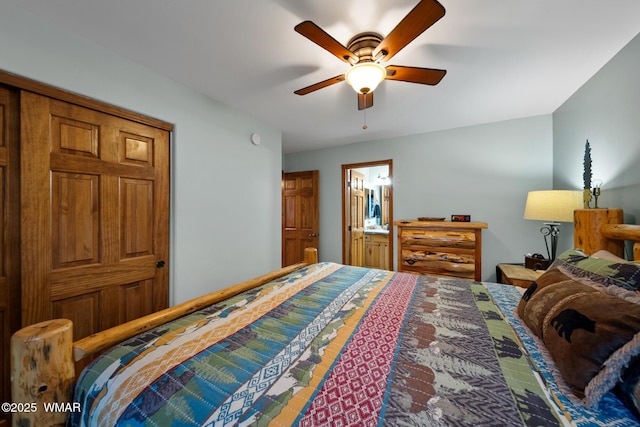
(435, 262)
(463, 239)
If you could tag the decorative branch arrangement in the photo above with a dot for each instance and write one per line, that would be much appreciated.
(586, 176)
(588, 191)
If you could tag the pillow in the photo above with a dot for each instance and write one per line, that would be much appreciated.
(592, 338)
(604, 254)
(600, 272)
(552, 276)
(547, 296)
(628, 390)
(578, 311)
(620, 279)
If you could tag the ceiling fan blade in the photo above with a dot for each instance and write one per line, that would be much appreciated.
(320, 85)
(365, 101)
(425, 14)
(324, 40)
(425, 76)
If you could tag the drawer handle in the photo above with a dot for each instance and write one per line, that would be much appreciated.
(410, 261)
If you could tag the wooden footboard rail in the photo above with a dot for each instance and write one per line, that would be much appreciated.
(43, 355)
(623, 232)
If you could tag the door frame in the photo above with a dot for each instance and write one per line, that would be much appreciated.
(345, 206)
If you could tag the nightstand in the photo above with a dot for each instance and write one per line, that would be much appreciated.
(517, 275)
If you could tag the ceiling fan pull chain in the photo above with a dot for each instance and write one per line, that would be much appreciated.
(364, 126)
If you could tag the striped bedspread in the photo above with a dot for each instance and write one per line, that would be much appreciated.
(327, 345)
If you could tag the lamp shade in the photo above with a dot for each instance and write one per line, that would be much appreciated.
(365, 77)
(552, 205)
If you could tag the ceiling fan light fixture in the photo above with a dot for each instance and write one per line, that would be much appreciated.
(365, 77)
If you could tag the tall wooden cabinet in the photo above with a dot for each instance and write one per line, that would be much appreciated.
(85, 205)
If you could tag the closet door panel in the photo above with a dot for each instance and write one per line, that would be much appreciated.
(125, 302)
(9, 235)
(75, 220)
(136, 213)
(105, 213)
(83, 311)
(74, 137)
(139, 291)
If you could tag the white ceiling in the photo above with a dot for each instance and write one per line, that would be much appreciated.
(504, 58)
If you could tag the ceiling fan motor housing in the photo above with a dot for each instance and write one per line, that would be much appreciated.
(362, 46)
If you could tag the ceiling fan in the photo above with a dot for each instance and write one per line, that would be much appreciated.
(366, 51)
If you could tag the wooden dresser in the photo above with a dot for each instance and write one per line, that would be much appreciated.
(440, 248)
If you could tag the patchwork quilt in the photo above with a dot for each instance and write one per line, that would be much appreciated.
(327, 345)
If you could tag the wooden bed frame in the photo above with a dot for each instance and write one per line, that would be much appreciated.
(43, 355)
(617, 232)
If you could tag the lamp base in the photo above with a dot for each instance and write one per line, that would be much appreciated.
(551, 230)
(534, 263)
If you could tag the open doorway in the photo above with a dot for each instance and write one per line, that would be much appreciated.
(367, 214)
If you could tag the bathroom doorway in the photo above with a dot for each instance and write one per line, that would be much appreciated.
(367, 214)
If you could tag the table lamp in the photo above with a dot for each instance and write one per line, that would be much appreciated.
(552, 207)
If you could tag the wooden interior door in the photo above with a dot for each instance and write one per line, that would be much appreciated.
(386, 203)
(300, 214)
(9, 237)
(356, 219)
(95, 215)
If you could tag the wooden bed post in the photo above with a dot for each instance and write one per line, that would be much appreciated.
(310, 255)
(587, 234)
(42, 371)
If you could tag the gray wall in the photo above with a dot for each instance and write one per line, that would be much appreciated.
(485, 171)
(605, 111)
(223, 188)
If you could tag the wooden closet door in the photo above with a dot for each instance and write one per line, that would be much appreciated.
(95, 216)
(9, 237)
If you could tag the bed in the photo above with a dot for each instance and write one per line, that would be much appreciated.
(321, 343)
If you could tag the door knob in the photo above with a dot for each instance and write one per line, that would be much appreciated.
(160, 264)
(313, 235)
